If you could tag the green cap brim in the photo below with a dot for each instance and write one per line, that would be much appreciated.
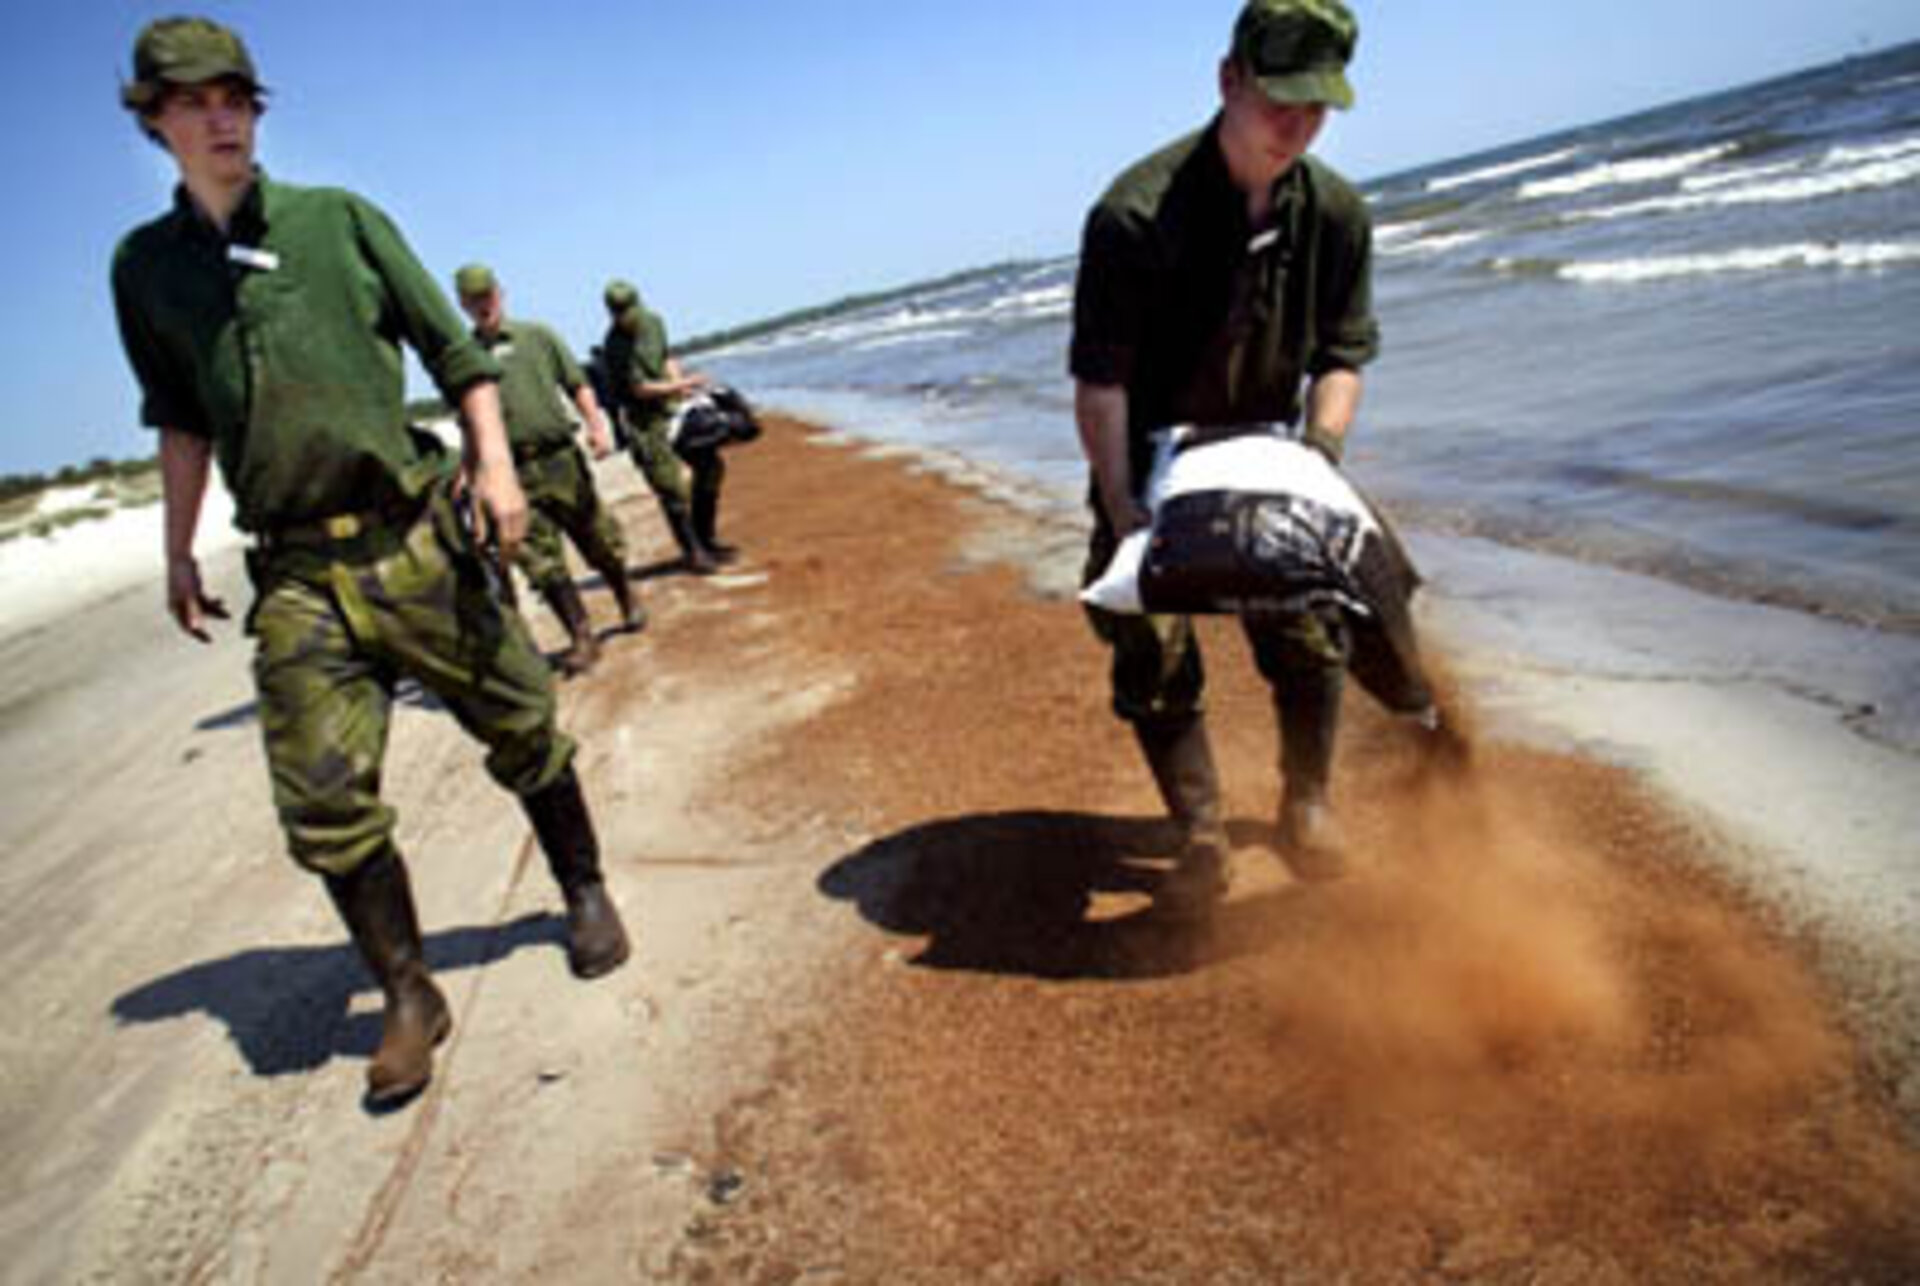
(140, 94)
(1330, 87)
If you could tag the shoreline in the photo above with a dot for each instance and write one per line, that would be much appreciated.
(895, 1012)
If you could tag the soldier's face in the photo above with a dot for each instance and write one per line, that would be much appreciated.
(1262, 138)
(209, 129)
(487, 311)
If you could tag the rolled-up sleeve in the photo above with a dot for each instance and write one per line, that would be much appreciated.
(450, 354)
(1108, 296)
(166, 399)
(1347, 335)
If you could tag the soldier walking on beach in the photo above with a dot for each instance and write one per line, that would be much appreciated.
(647, 380)
(264, 322)
(1218, 277)
(537, 367)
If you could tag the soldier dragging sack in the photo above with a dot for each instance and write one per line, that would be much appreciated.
(1224, 282)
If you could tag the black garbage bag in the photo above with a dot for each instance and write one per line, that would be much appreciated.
(1255, 523)
(715, 417)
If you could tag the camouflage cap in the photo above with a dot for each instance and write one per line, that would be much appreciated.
(185, 51)
(473, 280)
(621, 295)
(1298, 50)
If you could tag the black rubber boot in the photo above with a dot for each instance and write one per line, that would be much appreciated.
(693, 555)
(706, 518)
(583, 649)
(596, 940)
(1182, 762)
(1308, 705)
(376, 902)
(633, 614)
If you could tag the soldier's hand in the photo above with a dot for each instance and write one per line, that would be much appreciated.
(600, 442)
(502, 506)
(188, 602)
(1127, 516)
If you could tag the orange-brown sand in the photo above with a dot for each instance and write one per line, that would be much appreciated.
(898, 1011)
(1530, 1037)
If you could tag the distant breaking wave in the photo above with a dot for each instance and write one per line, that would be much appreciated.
(1651, 169)
(1808, 254)
(1504, 171)
(1423, 239)
(1841, 170)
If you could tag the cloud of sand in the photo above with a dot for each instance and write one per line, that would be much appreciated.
(1496, 958)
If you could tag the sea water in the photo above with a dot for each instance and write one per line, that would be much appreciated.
(1683, 345)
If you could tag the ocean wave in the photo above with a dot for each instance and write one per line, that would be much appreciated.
(1872, 152)
(1735, 177)
(1506, 170)
(1422, 239)
(917, 321)
(1843, 171)
(1651, 169)
(1425, 210)
(902, 338)
(1842, 256)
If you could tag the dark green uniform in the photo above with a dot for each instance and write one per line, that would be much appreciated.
(279, 341)
(1205, 319)
(537, 366)
(636, 352)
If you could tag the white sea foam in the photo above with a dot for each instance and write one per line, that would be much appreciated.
(1651, 169)
(1447, 182)
(1869, 153)
(1415, 239)
(1840, 173)
(1739, 175)
(908, 337)
(1806, 254)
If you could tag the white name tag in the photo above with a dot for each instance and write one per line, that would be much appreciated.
(252, 257)
(1262, 240)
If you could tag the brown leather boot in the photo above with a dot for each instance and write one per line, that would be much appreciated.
(596, 939)
(583, 649)
(376, 902)
(1182, 762)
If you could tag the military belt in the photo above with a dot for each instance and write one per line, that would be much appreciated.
(340, 529)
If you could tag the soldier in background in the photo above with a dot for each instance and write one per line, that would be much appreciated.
(537, 367)
(255, 316)
(647, 381)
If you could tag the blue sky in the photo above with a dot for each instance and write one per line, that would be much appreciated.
(739, 160)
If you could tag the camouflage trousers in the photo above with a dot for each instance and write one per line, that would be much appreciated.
(666, 473)
(1158, 676)
(562, 500)
(337, 624)
(674, 481)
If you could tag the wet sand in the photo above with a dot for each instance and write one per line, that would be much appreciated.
(897, 1010)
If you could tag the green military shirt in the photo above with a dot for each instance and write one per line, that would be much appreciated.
(280, 342)
(535, 364)
(1205, 319)
(636, 353)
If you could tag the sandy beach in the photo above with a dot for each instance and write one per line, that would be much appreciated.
(1622, 1002)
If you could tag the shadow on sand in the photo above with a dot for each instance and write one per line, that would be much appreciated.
(286, 1007)
(1018, 893)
